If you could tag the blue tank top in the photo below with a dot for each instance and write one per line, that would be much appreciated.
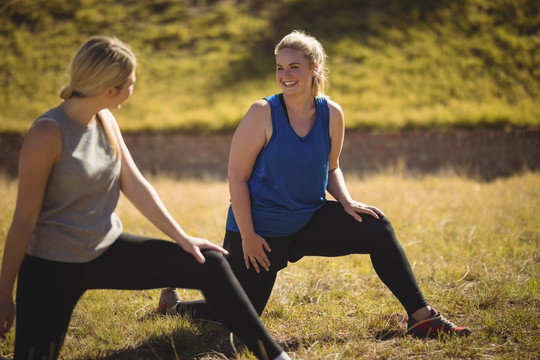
(289, 178)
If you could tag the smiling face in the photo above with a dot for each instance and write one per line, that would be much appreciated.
(294, 74)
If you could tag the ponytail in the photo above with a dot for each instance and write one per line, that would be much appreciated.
(101, 62)
(111, 135)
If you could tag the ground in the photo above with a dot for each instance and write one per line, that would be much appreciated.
(487, 154)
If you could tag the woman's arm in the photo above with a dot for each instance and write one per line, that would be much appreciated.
(41, 149)
(145, 198)
(336, 183)
(249, 139)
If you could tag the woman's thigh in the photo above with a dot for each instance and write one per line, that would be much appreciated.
(135, 262)
(47, 292)
(333, 232)
(258, 286)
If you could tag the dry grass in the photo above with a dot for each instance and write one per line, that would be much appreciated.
(474, 246)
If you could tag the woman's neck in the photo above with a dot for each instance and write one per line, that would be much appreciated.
(80, 110)
(299, 103)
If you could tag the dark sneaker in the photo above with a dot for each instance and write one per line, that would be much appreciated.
(435, 326)
(169, 299)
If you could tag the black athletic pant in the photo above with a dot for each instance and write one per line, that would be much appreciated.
(331, 232)
(48, 291)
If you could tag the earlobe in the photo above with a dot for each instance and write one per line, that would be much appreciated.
(111, 91)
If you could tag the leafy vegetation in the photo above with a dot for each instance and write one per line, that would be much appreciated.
(393, 64)
(473, 246)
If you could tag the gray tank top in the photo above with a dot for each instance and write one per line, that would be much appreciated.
(77, 221)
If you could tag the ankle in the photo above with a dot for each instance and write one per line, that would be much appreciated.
(422, 313)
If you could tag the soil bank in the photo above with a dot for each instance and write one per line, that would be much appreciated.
(486, 154)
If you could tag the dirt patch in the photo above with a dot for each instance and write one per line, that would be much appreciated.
(483, 153)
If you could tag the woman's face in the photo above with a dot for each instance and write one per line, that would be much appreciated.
(126, 90)
(294, 74)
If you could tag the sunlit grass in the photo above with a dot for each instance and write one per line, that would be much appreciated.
(474, 246)
(393, 65)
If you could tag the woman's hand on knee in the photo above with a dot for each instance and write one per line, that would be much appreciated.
(254, 247)
(355, 208)
(195, 245)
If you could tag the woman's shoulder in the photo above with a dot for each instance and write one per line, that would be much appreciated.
(259, 108)
(53, 115)
(257, 118)
(333, 106)
(44, 139)
(334, 109)
(45, 126)
(262, 103)
(47, 123)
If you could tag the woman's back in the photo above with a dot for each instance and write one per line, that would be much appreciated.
(76, 222)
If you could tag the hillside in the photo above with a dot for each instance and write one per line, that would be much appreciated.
(407, 64)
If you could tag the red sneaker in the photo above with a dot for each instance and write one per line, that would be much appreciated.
(435, 326)
(169, 299)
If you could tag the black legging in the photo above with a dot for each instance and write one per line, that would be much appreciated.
(331, 232)
(48, 291)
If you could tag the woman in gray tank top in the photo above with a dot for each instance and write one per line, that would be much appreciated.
(65, 238)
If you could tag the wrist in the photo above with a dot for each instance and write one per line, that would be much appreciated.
(248, 235)
(346, 201)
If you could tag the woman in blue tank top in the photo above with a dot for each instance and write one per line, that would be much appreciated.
(65, 238)
(284, 156)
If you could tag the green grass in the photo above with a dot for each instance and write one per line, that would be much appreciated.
(393, 64)
(474, 246)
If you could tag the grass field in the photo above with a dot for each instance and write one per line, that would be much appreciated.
(474, 247)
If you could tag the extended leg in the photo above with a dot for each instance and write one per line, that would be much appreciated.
(333, 232)
(139, 263)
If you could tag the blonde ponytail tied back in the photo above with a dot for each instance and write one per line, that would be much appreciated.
(66, 93)
(101, 62)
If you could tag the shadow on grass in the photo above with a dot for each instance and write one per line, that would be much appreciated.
(205, 339)
(212, 341)
(388, 334)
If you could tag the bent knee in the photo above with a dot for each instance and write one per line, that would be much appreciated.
(214, 259)
(384, 230)
(385, 222)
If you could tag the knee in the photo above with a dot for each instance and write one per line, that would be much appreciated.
(385, 231)
(214, 260)
(215, 272)
(386, 224)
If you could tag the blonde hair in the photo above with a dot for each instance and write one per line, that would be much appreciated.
(101, 62)
(313, 52)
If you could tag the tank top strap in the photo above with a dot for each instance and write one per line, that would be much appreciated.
(273, 100)
(279, 116)
(323, 111)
